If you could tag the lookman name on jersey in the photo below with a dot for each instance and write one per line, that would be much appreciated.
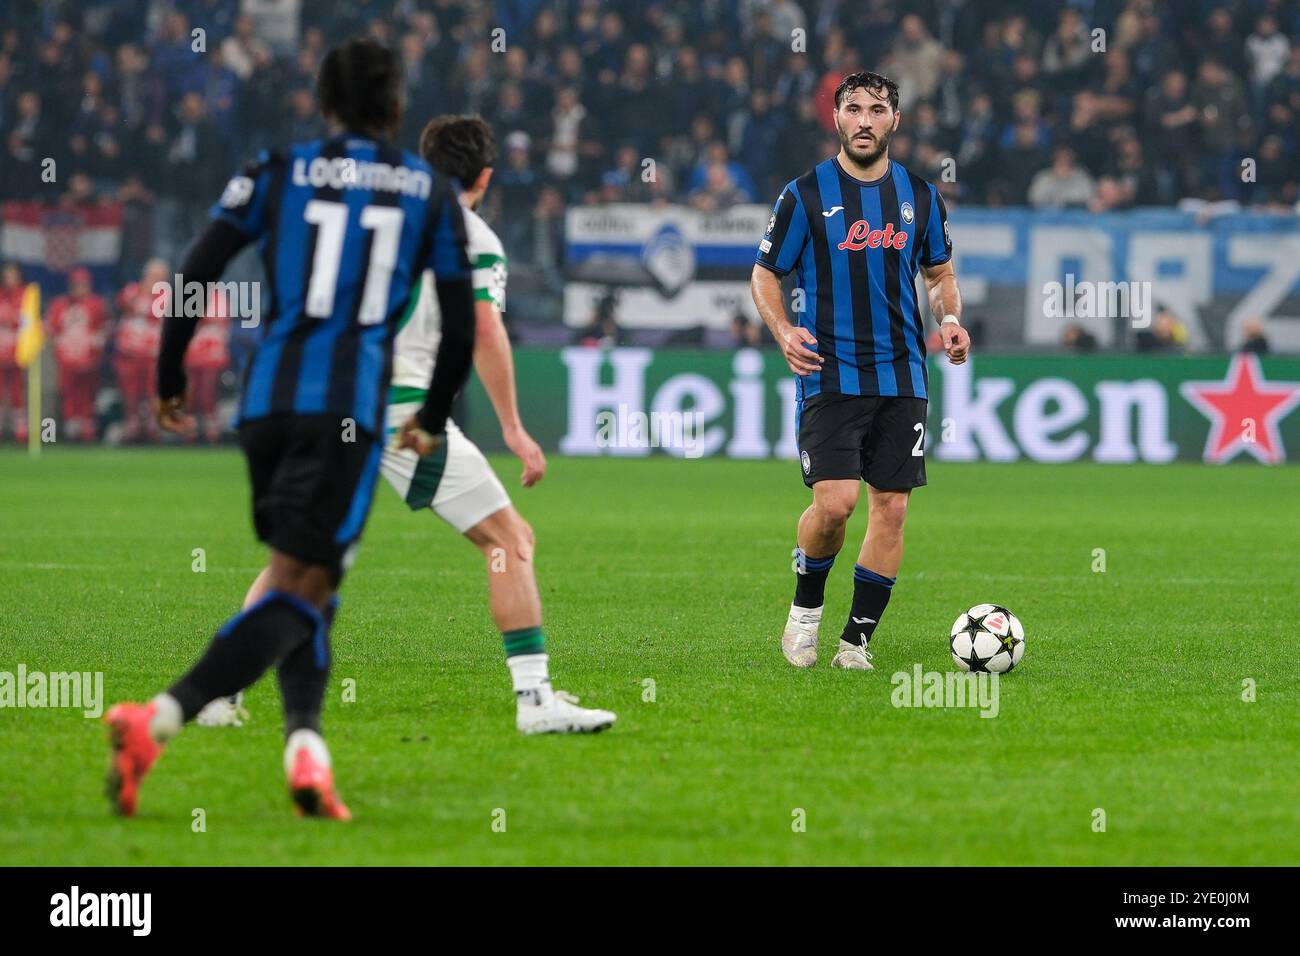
(855, 248)
(346, 227)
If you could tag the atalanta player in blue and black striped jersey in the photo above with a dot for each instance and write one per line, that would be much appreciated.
(855, 230)
(346, 227)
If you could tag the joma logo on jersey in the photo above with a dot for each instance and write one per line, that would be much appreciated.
(862, 236)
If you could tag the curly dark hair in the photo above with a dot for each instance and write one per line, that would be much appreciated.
(875, 82)
(360, 86)
(459, 146)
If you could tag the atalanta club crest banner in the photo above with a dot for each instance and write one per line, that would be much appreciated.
(633, 402)
(49, 241)
(673, 266)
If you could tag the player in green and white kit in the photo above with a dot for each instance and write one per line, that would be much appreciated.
(456, 481)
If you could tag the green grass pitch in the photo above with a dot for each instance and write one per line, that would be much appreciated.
(1129, 699)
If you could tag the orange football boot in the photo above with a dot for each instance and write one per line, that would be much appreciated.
(311, 784)
(134, 752)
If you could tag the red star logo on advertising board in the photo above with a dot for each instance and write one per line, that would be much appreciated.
(1244, 412)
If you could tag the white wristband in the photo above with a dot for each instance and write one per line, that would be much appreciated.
(950, 318)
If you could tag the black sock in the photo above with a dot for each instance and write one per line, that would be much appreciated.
(303, 675)
(247, 645)
(810, 579)
(870, 595)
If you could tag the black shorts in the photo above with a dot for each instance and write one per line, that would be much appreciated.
(312, 488)
(878, 439)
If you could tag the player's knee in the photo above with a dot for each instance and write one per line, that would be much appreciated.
(836, 509)
(889, 510)
(504, 533)
(525, 540)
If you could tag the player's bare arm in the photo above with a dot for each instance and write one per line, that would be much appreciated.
(945, 305)
(495, 364)
(797, 344)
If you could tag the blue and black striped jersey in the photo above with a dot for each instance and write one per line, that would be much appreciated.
(346, 226)
(856, 247)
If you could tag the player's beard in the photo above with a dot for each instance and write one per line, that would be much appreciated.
(865, 157)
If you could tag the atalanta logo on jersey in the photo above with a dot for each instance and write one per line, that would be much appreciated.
(907, 213)
(806, 462)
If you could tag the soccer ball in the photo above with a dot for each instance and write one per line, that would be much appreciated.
(988, 639)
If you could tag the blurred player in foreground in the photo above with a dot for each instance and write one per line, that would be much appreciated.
(348, 225)
(857, 227)
(456, 481)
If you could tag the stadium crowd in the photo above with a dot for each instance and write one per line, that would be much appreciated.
(1096, 104)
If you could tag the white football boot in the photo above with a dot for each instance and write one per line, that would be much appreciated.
(852, 657)
(223, 712)
(558, 713)
(799, 639)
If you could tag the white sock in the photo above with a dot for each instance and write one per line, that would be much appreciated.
(305, 738)
(166, 721)
(797, 611)
(529, 675)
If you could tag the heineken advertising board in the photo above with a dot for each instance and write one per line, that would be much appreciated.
(633, 402)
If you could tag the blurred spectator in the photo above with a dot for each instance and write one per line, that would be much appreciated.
(195, 179)
(1139, 183)
(1166, 334)
(719, 191)
(1068, 50)
(1087, 132)
(1111, 194)
(547, 246)
(703, 175)
(136, 341)
(1076, 338)
(219, 89)
(603, 331)
(1267, 51)
(13, 390)
(760, 138)
(1117, 92)
(1170, 110)
(515, 188)
(1254, 340)
(243, 50)
(28, 140)
(174, 58)
(1062, 185)
(745, 333)
(1220, 101)
(136, 241)
(78, 325)
(571, 143)
(1276, 177)
(914, 62)
(206, 358)
(796, 83)
(625, 182)
(303, 122)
